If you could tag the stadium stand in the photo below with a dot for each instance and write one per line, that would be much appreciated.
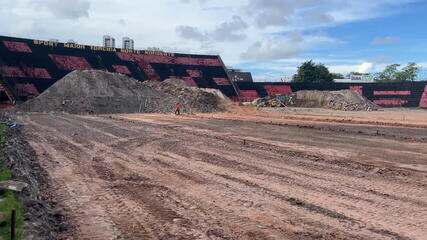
(423, 101)
(28, 67)
(407, 94)
(239, 76)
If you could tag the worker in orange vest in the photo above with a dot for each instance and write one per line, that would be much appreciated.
(178, 108)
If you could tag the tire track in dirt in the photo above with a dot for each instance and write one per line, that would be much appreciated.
(332, 163)
(157, 179)
(104, 199)
(168, 147)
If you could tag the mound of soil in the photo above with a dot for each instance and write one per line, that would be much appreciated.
(345, 100)
(192, 98)
(99, 92)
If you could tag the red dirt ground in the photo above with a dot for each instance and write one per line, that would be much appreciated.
(230, 176)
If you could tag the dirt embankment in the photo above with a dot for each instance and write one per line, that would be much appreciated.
(42, 219)
(99, 92)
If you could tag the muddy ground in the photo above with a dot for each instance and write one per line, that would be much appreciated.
(163, 177)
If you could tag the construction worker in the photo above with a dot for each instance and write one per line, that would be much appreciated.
(178, 108)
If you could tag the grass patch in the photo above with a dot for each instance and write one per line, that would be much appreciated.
(8, 201)
(5, 174)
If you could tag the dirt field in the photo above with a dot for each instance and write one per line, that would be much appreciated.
(232, 177)
(384, 116)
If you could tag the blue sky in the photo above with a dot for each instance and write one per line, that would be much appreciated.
(270, 38)
(395, 36)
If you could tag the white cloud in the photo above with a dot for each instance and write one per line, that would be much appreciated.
(288, 46)
(226, 31)
(230, 31)
(271, 49)
(385, 40)
(277, 12)
(191, 33)
(67, 9)
(260, 30)
(365, 67)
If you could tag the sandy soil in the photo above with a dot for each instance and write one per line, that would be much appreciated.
(225, 177)
(385, 116)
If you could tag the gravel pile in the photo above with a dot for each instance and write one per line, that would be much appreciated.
(344, 100)
(193, 99)
(99, 92)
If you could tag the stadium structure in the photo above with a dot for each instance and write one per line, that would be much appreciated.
(28, 67)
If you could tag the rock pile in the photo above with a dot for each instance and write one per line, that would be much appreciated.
(344, 100)
(193, 99)
(275, 101)
(99, 92)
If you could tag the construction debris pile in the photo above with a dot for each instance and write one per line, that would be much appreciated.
(192, 98)
(99, 92)
(344, 100)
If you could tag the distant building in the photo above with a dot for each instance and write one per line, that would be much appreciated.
(361, 77)
(286, 79)
(237, 75)
(109, 41)
(128, 43)
(356, 78)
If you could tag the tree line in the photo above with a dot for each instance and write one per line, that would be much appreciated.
(312, 72)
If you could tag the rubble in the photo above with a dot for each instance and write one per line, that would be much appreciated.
(100, 92)
(193, 99)
(344, 100)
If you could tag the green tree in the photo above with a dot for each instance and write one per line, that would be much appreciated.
(313, 73)
(410, 72)
(392, 73)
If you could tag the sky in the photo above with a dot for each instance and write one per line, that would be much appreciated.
(270, 38)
